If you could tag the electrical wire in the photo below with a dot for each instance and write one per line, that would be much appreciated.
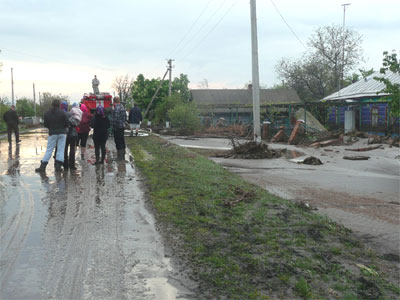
(287, 24)
(201, 28)
(190, 29)
(211, 30)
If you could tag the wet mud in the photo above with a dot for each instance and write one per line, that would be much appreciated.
(79, 234)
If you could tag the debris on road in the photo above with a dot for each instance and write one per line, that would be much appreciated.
(375, 139)
(365, 149)
(335, 142)
(357, 157)
(311, 160)
(252, 150)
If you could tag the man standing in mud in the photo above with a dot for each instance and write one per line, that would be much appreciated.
(118, 120)
(12, 121)
(56, 121)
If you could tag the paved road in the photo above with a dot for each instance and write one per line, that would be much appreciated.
(83, 234)
(362, 195)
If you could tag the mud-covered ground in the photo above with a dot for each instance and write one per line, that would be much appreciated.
(84, 234)
(362, 195)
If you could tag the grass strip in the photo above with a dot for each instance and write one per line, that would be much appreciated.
(243, 243)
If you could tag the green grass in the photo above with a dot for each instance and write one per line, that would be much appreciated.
(243, 243)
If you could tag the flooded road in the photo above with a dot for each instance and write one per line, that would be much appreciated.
(78, 234)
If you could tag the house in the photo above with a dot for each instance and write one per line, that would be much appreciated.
(236, 105)
(362, 106)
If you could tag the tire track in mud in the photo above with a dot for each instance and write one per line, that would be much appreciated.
(15, 232)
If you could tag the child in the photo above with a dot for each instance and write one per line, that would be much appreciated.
(100, 124)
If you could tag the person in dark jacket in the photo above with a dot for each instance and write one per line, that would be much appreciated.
(55, 119)
(135, 117)
(100, 123)
(84, 129)
(72, 136)
(118, 120)
(12, 121)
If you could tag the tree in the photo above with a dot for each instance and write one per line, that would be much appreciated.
(144, 90)
(47, 99)
(161, 111)
(318, 73)
(123, 85)
(391, 63)
(185, 118)
(24, 108)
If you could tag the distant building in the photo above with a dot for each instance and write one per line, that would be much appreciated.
(236, 105)
(361, 106)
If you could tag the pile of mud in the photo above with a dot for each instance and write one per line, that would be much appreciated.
(252, 150)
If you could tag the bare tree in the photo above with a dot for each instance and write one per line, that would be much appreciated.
(123, 85)
(203, 84)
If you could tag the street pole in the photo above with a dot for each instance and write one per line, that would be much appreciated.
(170, 76)
(12, 87)
(341, 75)
(255, 73)
(34, 100)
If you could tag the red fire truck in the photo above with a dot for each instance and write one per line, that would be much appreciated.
(92, 101)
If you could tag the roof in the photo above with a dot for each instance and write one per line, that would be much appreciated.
(242, 97)
(364, 88)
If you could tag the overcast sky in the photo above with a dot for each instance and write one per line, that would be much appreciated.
(60, 45)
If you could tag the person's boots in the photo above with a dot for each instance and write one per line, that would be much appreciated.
(58, 166)
(42, 167)
(72, 164)
(65, 165)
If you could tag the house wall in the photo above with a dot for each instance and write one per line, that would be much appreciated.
(374, 117)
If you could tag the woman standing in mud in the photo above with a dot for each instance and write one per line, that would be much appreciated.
(100, 124)
(74, 117)
(83, 129)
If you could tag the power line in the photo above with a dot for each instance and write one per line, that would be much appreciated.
(211, 30)
(202, 27)
(190, 29)
(287, 24)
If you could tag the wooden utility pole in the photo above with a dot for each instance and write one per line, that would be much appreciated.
(12, 87)
(155, 94)
(34, 100)
(170, 76)
(255, 73)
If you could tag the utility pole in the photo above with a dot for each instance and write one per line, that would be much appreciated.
(34, 100)
(341, 75)
(170, 76)
(12, 87)
(255, 73)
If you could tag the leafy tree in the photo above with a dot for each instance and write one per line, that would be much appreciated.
(144, 90)
(4, 106)
(161, 111)
(185, 118)
(24, 108)
(391, 63)
(319, 71)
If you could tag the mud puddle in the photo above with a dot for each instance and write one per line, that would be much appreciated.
(83, 234)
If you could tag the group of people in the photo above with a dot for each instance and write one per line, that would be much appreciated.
(70, 129)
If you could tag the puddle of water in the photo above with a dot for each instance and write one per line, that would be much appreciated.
(161, 289)
(290, 154)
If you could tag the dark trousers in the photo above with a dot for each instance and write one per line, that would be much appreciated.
(10, 128)
(100, 145)
(119, 138)
(71, 144)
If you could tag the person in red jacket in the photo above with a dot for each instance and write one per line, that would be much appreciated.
(83, 129)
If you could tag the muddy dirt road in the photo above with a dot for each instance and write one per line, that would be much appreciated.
(362, 195)
(83, 234)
